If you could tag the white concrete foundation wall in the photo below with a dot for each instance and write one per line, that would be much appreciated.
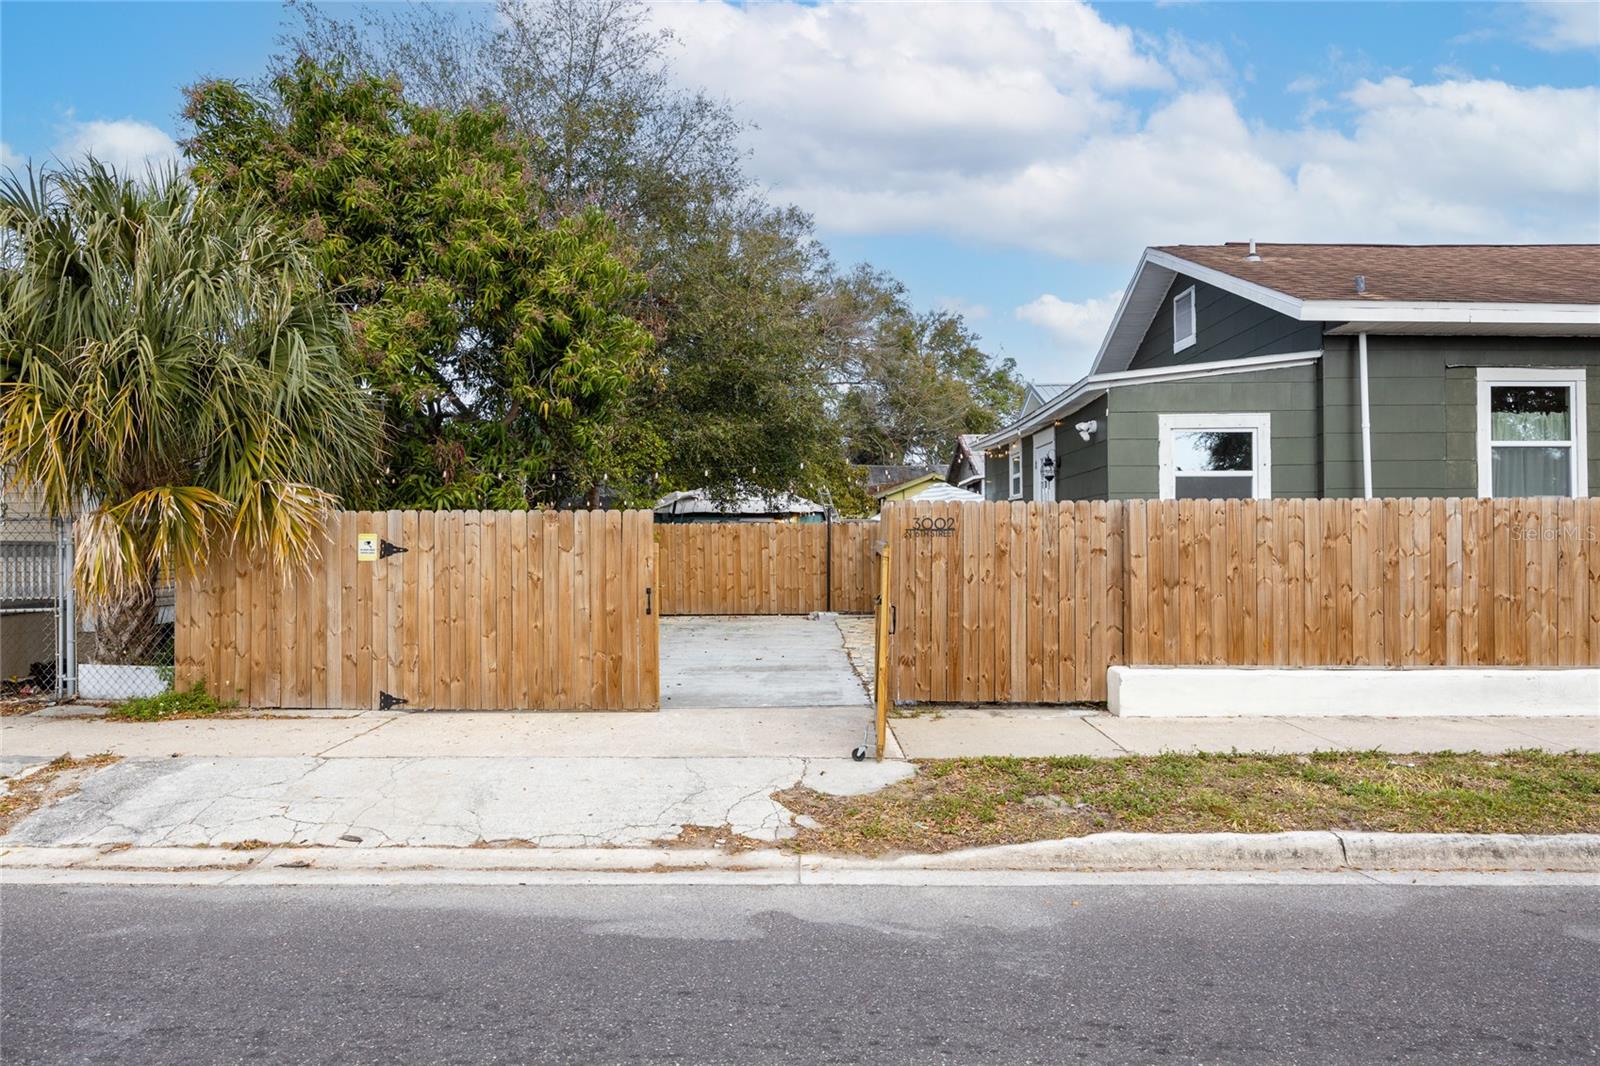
(116, 681)
(1233, 692)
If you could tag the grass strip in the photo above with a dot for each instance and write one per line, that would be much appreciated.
(961, 803)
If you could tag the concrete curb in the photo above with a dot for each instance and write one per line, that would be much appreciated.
(1374, 856)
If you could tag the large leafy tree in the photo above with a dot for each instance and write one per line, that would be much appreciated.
(173, 371)
(498, 337)
(739, 294)
(772, 369)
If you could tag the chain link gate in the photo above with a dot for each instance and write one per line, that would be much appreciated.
(50, 648)
(36, 609)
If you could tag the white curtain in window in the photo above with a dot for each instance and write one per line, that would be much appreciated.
(1532, 471)
(1530, 425)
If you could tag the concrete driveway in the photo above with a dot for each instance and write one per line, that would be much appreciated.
(755, 661)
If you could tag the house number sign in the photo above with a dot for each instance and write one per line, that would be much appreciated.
(932, 527)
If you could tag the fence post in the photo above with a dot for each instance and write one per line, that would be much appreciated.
(67, 612)
(881, 651)
(828, 566)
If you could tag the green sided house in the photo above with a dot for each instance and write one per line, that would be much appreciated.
(1327, 370)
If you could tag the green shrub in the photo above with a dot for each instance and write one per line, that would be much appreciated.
(194, 703)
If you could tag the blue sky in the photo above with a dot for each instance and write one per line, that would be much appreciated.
(1011, 161)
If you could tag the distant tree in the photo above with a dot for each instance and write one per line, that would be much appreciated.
(498, 337)
(173, 371)
(914, 382)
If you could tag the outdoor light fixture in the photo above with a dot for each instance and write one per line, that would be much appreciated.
(1047, 468)
(1086, 429)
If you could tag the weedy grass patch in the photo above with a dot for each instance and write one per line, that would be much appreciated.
(193, 702)
(960, 803)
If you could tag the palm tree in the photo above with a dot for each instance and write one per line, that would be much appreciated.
(173, 373)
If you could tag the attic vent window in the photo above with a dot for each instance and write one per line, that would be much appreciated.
(1183, 325)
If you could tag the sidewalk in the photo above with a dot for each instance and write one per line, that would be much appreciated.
(721, 732)
(608, 780)
(1023, 732)
(783, 732)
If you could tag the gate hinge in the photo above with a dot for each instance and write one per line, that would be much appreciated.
(385, 549)
(386, 700)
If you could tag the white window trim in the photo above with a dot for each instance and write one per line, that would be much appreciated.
(1575, 378)
(1261, 450)
(1194, 328)
(1014, 471)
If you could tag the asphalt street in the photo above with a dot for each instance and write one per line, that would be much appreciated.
(1197, 974)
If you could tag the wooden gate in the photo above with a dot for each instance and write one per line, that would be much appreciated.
(767, 567)
(449, 610)
(1004, 602)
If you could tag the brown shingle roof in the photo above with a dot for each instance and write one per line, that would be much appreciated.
(1447, 273)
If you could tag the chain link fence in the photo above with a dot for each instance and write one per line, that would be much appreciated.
(35, 564)
(51, 649)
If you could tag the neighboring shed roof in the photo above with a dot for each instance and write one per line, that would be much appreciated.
(1443, 273)
(899, 486)
(880, 477)
(942, 492)
(699, 501)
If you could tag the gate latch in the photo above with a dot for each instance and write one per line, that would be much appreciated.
(387, 701)
(385, 549)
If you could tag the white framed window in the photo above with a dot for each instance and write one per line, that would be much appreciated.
(1183, 324)
(1531, 432)
(1014, 458)
(1215, 456)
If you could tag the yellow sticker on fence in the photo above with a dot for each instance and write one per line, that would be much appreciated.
(367, 547)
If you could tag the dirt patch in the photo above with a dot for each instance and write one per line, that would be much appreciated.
(51, 783)
(961, 803)
(12, 705)
(722, 838)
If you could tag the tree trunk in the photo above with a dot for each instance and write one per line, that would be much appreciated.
(129, 630)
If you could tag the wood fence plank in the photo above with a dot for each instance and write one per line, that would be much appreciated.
(509, 541)
(1570, 582)
(1543, 583)
(1099, 597)
(554, 665)
(614, 607)
(1137, 584)
(1047, 578)
(1589, 537)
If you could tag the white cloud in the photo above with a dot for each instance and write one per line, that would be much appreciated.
(127, 144)
(1077, 327)
(967, 309)
(1017, 126)
(1562, 25)
(9, 158)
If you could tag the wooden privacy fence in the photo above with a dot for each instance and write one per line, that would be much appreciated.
(1027, 602)
(1400, 582)
(766, 567)
(491, 609)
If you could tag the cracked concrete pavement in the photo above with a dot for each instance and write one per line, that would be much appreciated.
(446, 802)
